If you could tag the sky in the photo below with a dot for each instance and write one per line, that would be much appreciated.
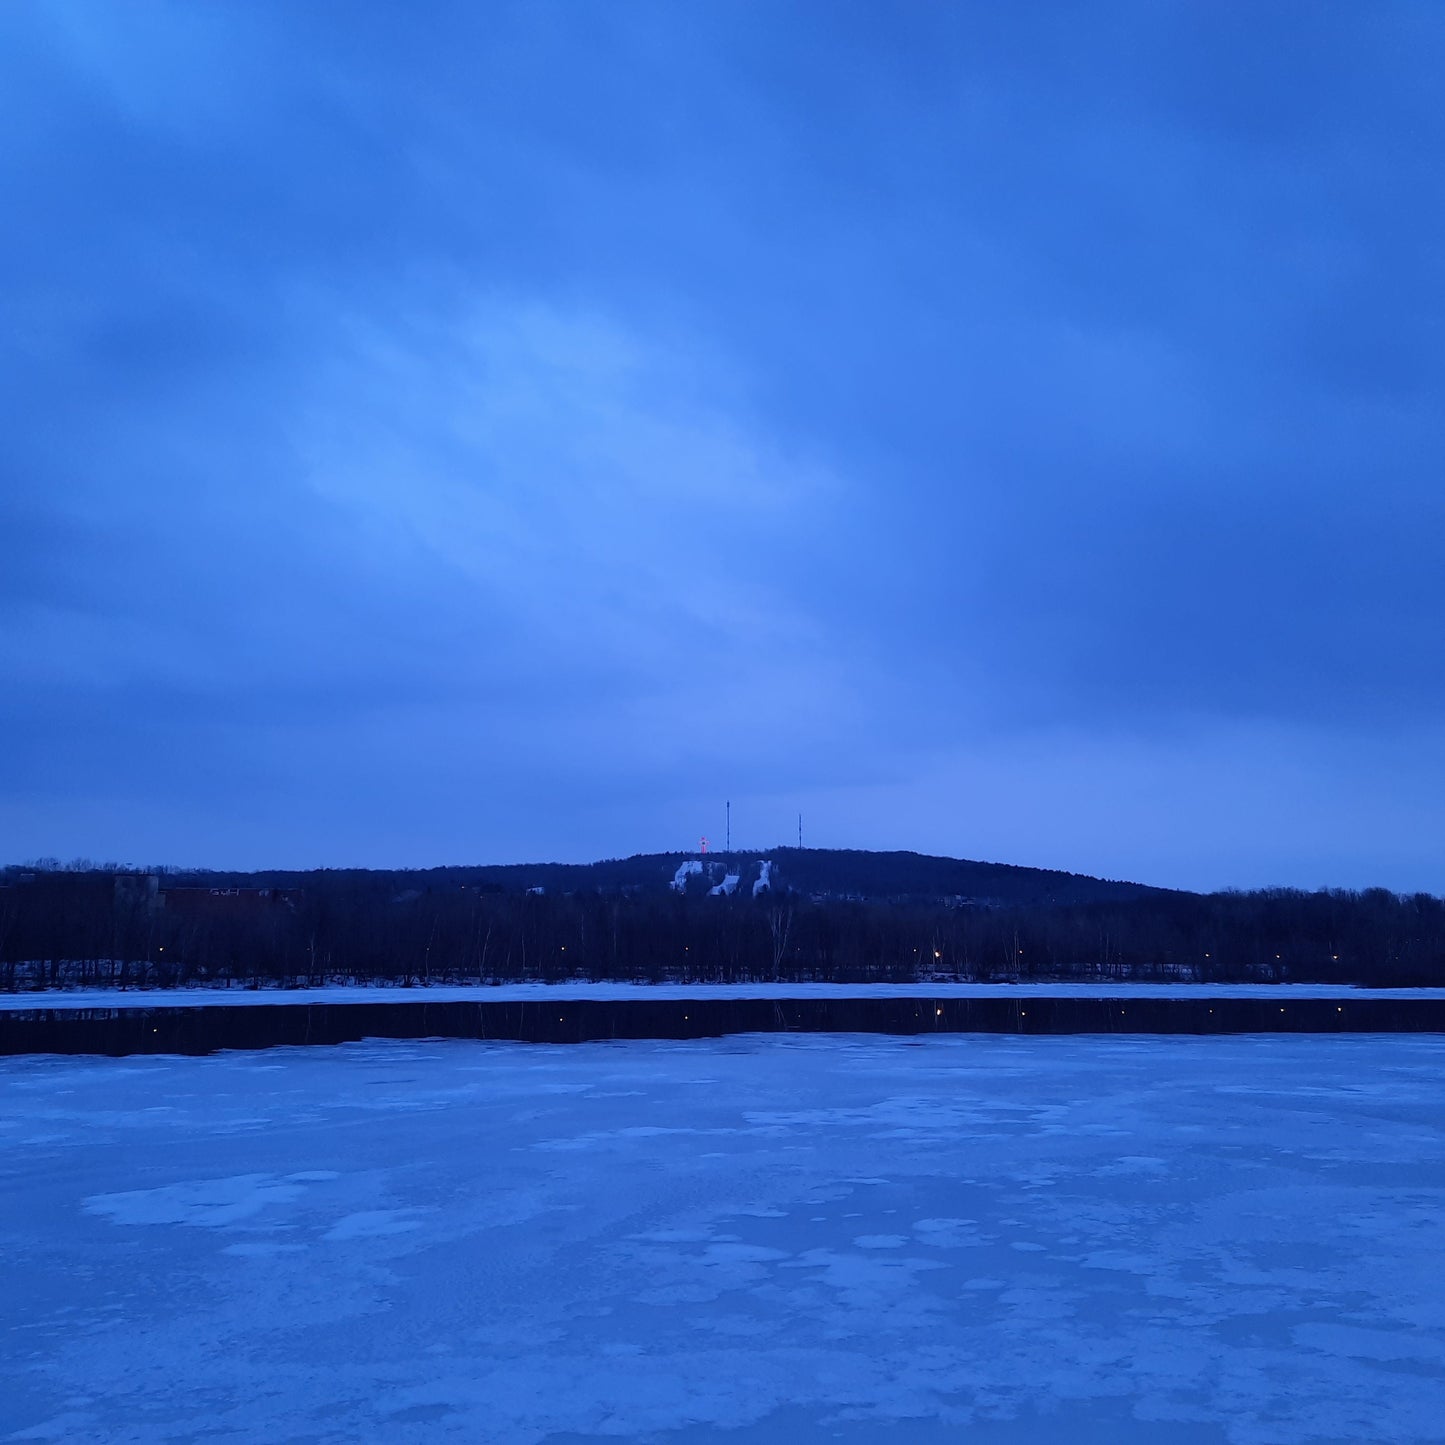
(509, 432)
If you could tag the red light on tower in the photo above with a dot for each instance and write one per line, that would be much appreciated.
(702, 844)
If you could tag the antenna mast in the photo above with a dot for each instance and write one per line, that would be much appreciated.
(728, 846)
(800, 832)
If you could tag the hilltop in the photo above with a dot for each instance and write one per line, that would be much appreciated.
(821, 874)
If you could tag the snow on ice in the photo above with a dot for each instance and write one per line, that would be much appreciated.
(977, 1238)
(339, 993)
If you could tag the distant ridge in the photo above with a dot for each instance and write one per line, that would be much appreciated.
(923, 877)
(822, 873)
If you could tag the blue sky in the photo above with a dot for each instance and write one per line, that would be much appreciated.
(1006, 431)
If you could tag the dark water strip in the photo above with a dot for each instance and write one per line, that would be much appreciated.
(204, 1029)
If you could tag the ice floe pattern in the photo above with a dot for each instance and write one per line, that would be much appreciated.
(744, 1240)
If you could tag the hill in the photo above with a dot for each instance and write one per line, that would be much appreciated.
(785, 913)
(821, 874)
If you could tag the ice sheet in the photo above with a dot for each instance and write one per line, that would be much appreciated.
(778, 1238)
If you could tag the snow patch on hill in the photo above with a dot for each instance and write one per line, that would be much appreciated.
(684, 872)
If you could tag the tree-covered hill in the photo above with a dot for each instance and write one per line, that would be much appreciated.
(810, 915)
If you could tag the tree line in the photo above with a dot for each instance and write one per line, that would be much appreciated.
(98, 927)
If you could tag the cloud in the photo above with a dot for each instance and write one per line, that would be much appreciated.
(593, 410)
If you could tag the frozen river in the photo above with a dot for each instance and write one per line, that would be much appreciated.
(781, 1238)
